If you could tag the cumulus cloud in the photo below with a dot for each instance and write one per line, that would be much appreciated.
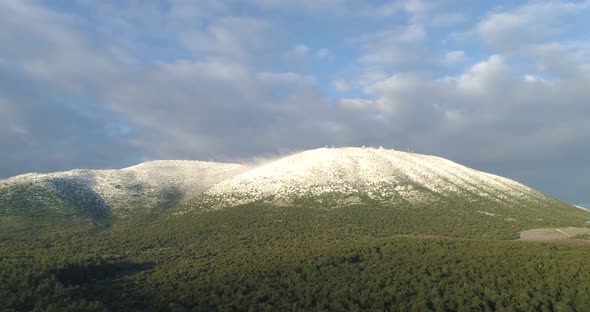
(297, 55)
(285, 79)
(447, 19)
(57, 134)
(235, 38)
(301, 54)
(356, 103)
(488, 115)
(340, 6)
(324, 53)
(392, 46)
(453, 57)
(536, 22)
(341, 85)
(66, 54)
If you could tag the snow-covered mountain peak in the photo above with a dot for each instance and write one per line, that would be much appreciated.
(347, 175)
(379, 173)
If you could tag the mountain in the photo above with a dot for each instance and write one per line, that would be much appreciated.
(370, 183)
(380, 174)
(409, 192)
(100, 195)
(334, 229)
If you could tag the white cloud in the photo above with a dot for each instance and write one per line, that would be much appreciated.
(297, 53)
(211, 70)
(341, 85)
(235, 38)
(66, 55)
(301, 53)
(211, 108)
(564, 60)
(480, 77)
(497, 113)
(196, 11)
(396, 84)
(392, 46)
(531, 78)
(453, 57)
(301, 50)
(288, 78)
(417, 10)
(324, 53)
(534, 22)
(412, 34)
(447, 19)
(357, 103)
(306, 5)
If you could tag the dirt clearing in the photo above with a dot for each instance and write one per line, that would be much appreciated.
(555, 234)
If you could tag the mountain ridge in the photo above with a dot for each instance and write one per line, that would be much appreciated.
(394, 182)
(150, 185)
(376, 170)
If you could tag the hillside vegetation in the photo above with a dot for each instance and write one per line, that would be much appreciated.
(248, 259)
(387, 186)
(328, 229)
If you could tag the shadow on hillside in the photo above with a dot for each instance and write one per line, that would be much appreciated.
(171, 196)
(145, 198)
(81, 274)
(77, 191)
(108, 283)
(129, 195)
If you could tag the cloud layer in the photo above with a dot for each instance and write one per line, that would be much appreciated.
(500, 87)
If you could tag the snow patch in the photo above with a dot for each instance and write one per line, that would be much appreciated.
(485, 213)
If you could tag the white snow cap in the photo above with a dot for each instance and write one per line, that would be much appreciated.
(350, 170)
(375, 172)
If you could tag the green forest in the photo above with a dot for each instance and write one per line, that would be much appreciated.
(257, 258)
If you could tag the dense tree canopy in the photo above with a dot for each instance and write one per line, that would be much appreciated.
(263, 258)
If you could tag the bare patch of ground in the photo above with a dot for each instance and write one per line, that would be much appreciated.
(568, 234)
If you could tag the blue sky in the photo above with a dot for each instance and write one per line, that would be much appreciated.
(501, 86)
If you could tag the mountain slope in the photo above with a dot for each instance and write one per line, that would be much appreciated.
(148, 188)
(374, 188)
(328, 229)
(378, 173)
(395, 191)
